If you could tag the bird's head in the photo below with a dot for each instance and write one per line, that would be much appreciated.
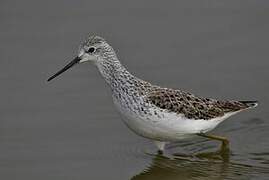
(95, 49)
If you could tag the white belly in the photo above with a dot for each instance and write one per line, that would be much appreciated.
(165, 126)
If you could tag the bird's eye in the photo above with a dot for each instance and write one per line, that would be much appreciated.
(91, 50)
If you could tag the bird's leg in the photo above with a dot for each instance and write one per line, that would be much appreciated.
(224, 140)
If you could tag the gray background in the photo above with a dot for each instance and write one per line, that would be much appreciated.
(69, 129)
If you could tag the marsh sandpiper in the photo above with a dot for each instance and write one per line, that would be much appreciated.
(157, 113)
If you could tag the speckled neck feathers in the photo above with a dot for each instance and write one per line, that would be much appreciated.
(132, 92)
(126, 87)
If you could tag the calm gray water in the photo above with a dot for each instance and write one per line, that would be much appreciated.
(69, 129)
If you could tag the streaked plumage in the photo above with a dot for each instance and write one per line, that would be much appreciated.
(160, 114)
(194, 107)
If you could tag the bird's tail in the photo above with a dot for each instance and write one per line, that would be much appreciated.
(250, 104)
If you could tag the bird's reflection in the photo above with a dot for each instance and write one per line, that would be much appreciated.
(210, 165)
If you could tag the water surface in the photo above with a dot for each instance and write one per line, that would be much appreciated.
(69, 129)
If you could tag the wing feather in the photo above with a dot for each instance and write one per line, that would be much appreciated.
(191, 106)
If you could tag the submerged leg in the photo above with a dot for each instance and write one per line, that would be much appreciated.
(160, 145)
(224, 140)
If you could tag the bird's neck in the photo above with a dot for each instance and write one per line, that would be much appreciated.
(118, 77)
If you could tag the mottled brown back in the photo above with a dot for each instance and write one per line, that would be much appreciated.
(191, 106)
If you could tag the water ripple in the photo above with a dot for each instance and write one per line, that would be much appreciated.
(199, 166)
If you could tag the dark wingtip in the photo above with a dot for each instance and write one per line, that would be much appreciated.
(250, 104)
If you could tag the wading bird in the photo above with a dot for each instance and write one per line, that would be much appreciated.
(157, 113)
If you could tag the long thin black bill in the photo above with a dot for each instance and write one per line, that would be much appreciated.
(72, 63)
